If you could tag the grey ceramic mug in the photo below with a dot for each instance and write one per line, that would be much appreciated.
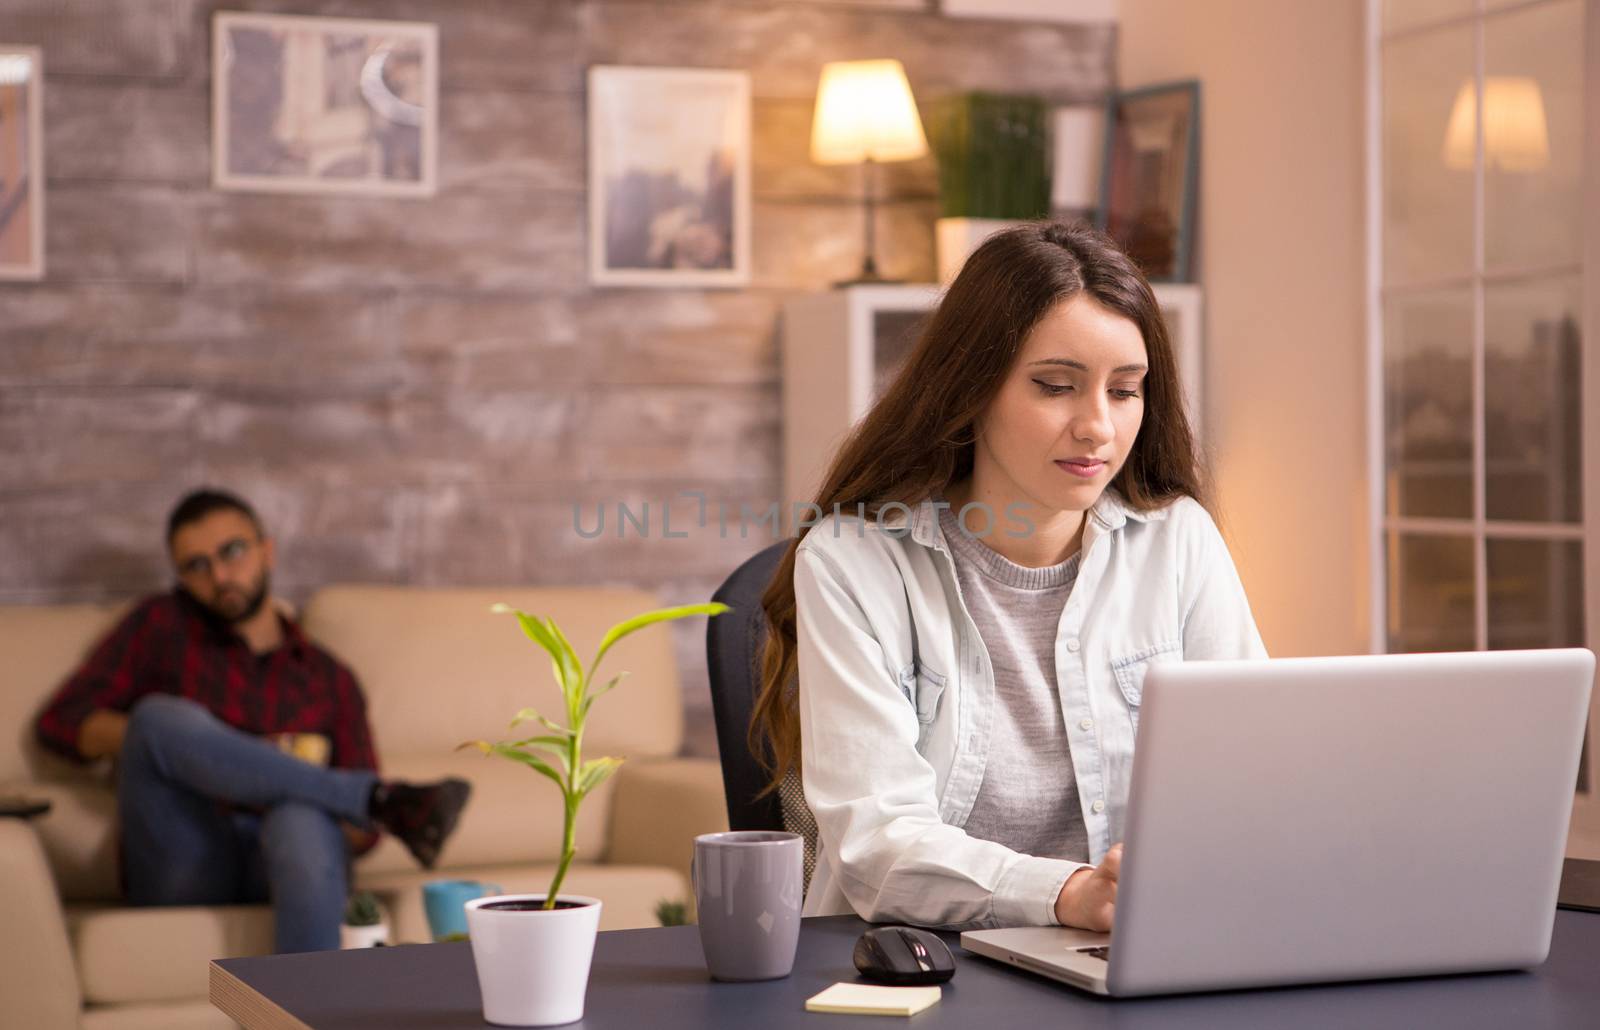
(748, 886)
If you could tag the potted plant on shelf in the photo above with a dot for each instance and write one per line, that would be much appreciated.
(994, 169)
(363, 925)
(533, 950)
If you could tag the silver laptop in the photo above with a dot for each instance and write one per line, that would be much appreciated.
(1308, 820)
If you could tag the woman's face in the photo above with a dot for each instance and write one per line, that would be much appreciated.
(1067, 414)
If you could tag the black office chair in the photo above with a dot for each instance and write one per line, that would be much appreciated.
(733, 655)
(734, 641)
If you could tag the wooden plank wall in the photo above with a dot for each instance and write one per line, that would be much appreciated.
(419, 391)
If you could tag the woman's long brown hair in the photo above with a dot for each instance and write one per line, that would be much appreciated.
(919, 437)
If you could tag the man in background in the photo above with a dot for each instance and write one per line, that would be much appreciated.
(244, 764)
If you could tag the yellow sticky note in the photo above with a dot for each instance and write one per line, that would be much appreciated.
(872, 1000)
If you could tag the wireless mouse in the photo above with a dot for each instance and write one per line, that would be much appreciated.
(903, 956)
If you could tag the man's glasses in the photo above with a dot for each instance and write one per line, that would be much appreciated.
(200, 564)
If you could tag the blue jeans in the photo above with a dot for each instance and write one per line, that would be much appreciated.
(181, 768)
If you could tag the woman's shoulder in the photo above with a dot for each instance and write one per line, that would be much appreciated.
(856, 545)
(849, 533)
(874, 566)
(1182, 522)
(1180, 512)
(1187, 514)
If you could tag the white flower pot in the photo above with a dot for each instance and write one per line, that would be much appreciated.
(956, 238)
(363, 936)
(533, 964)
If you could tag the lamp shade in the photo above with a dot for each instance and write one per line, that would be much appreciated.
(1515, 137)
(15, 69)
(865, 112)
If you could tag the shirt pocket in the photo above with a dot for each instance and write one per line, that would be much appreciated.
(1130, 669)
(924, 688)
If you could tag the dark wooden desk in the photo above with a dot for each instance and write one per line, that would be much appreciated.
(657, 979)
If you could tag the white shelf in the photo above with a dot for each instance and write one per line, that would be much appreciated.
(834, 345)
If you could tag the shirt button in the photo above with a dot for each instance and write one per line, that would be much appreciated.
(1098, 807)
(1072, 644)
(1086, 724)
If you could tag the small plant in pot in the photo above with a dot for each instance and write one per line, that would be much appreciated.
(670, 912)
(533, 951)
(363, 925)
(994, 169)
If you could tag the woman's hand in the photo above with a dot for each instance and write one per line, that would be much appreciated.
(1088, 899)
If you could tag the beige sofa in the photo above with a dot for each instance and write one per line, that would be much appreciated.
(438, 668)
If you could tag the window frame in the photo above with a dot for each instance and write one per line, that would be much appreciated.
(1384, 528)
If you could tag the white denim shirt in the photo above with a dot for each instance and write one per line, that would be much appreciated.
(896, 695)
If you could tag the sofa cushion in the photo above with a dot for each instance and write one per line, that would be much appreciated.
(438, 667)
(160, 954)
(38, 977)
(659, 809)
(514, 815)
(628, 894)
(79, 835)
(42, 644)
(195, 1014)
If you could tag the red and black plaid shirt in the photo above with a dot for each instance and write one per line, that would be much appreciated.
(171, 644)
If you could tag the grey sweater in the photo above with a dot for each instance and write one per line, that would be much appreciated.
(1029, 797)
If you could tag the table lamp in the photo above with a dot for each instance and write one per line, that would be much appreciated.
(1515, 137)
(865, 114)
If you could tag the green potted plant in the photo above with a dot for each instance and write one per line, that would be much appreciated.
(672, 913)
(533, 951)
(994, 169)
(363, 925)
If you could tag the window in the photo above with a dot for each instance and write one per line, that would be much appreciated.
(1478, 287)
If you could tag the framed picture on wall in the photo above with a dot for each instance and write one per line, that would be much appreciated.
(1147, 190)
(21, 163)
(669, 177)
(324, 105)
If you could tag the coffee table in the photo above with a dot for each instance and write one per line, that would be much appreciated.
(656, 978)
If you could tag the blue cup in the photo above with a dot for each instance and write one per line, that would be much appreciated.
(446, 900)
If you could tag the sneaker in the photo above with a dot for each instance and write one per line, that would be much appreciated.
(421, 816)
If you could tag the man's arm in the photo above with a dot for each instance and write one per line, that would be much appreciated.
(84, 719)
(100, 734)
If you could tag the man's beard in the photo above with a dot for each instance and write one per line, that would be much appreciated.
(253, 602)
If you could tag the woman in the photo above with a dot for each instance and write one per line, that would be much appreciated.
(1014, 534)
